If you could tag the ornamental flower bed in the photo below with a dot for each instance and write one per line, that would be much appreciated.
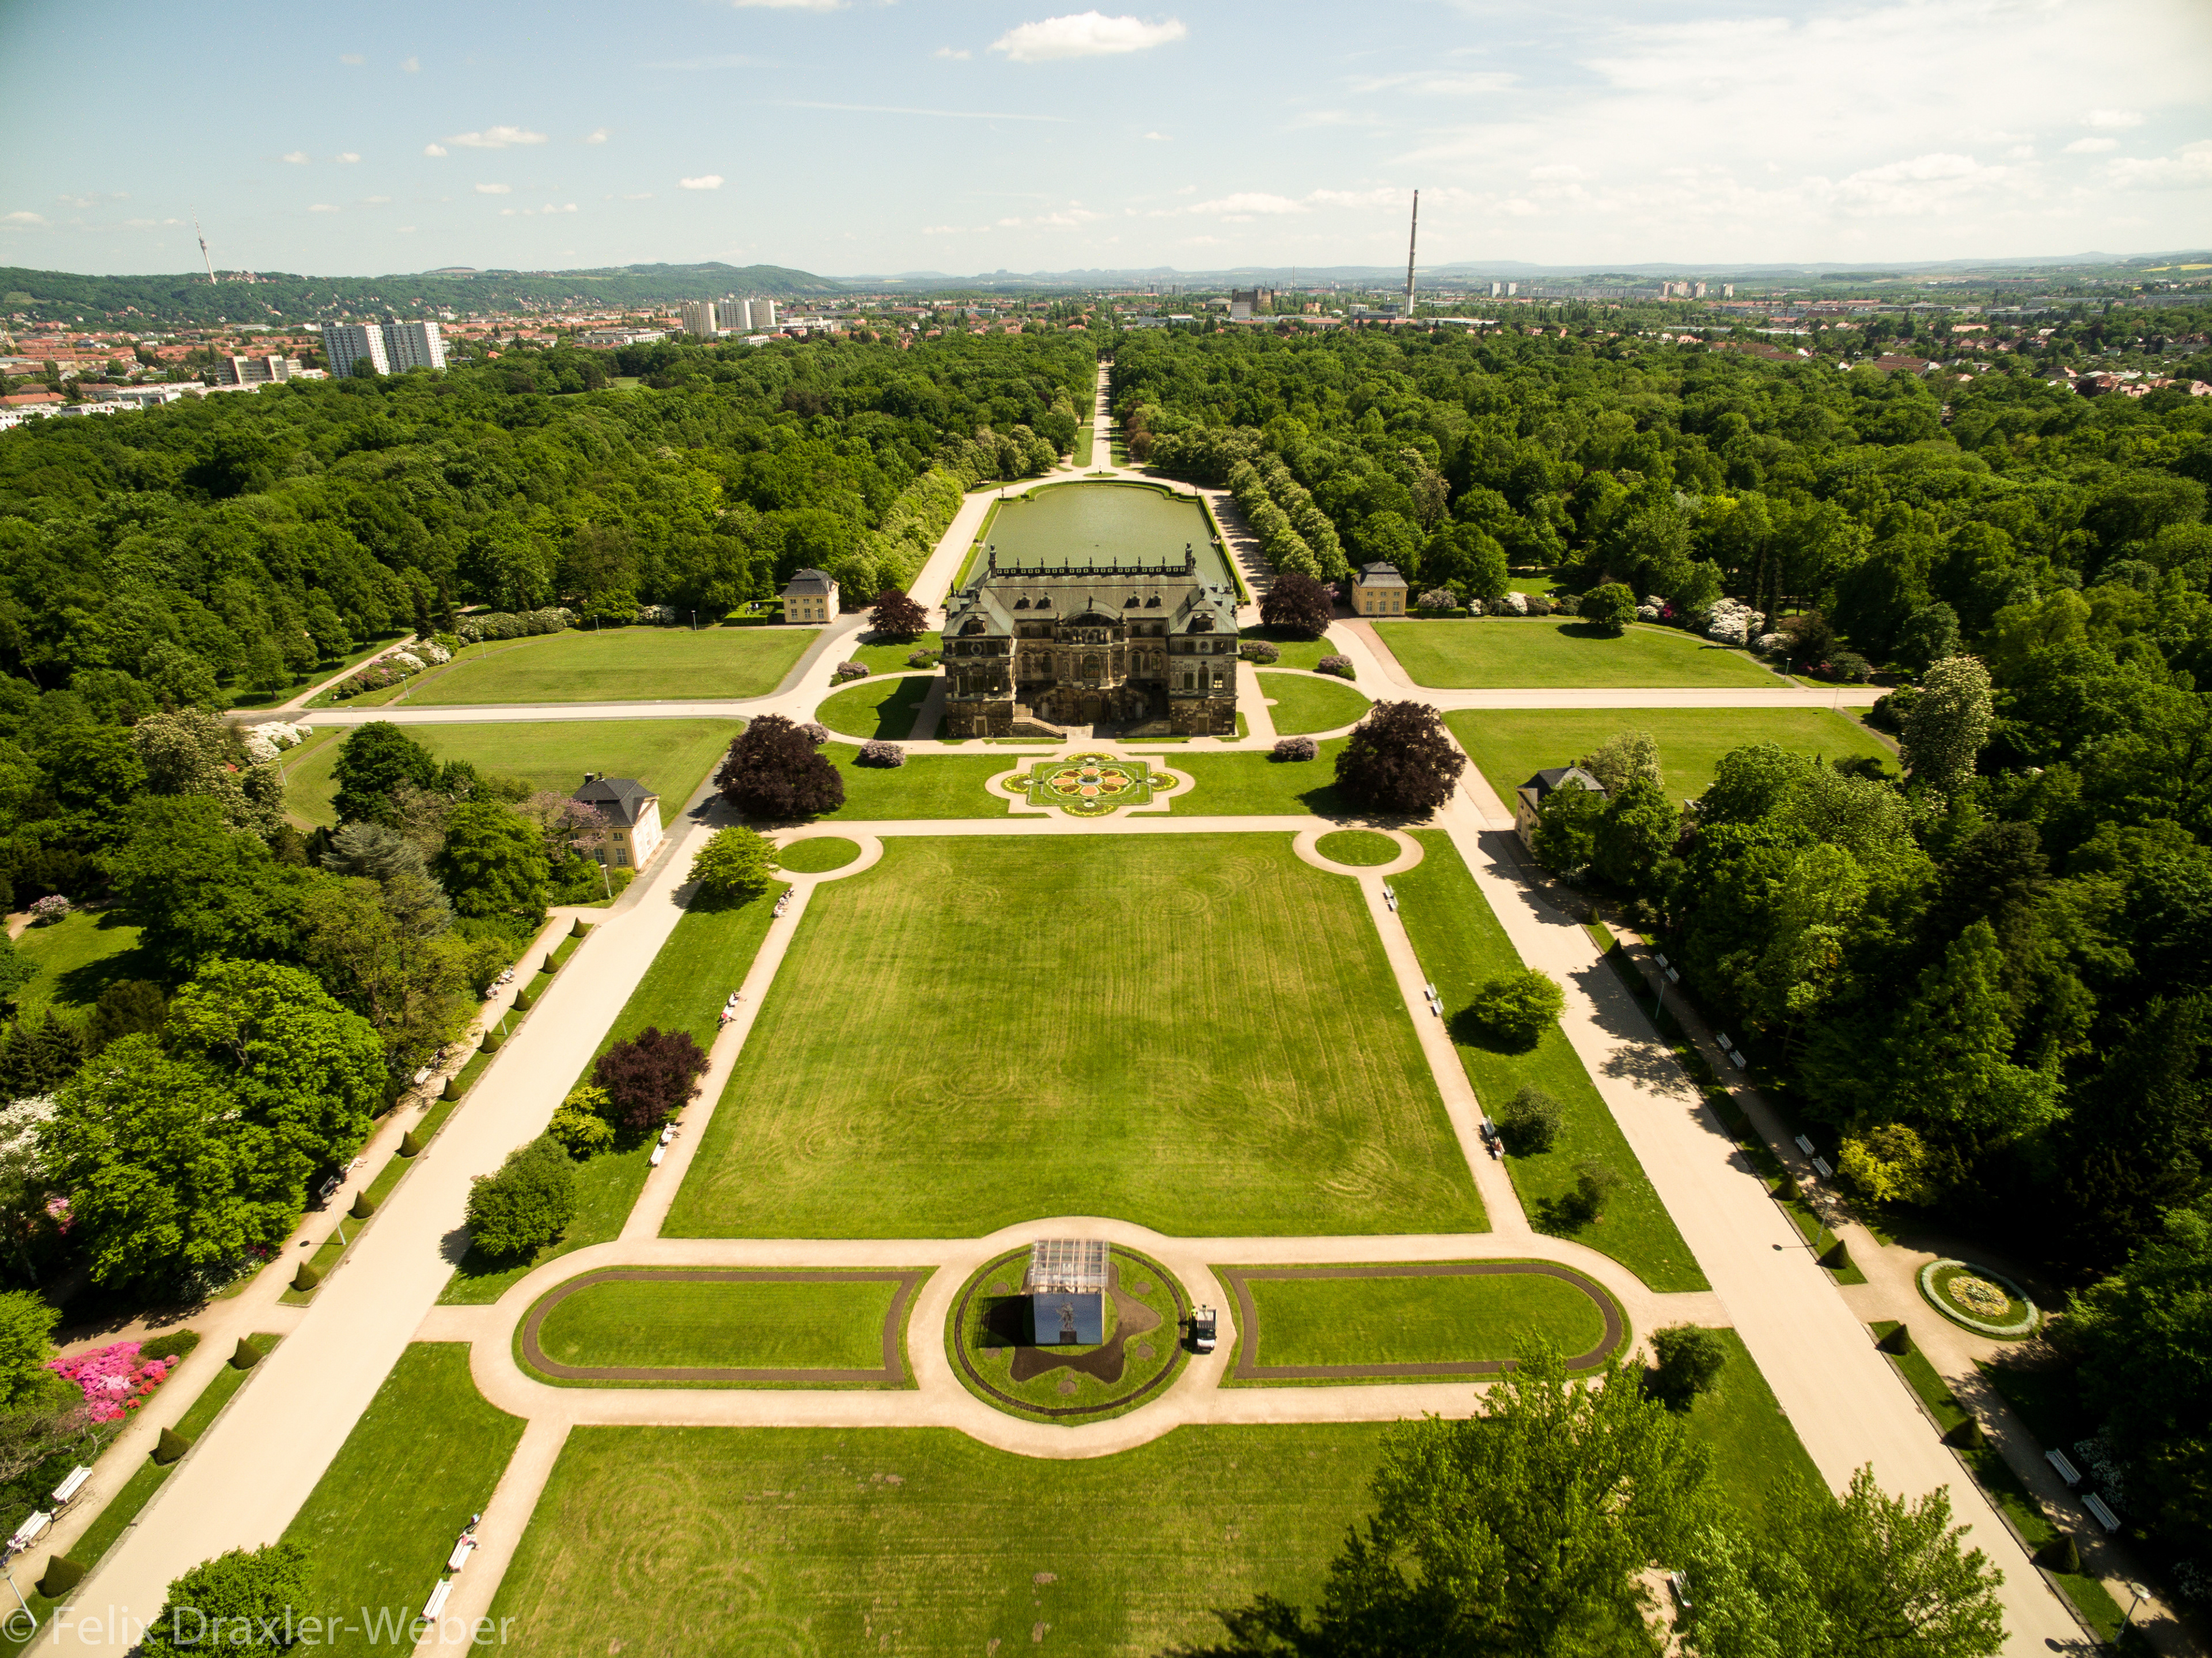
(1978, 1299)
(113, 1379)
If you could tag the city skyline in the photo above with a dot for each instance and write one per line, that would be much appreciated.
(851, 139)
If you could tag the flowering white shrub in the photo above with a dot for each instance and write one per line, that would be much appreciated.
(52, 907)
(434, 654)
(279, 733)
(658, 615)
(258, 748)
(405, 661)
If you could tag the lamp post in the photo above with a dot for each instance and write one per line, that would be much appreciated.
(2137, 1590)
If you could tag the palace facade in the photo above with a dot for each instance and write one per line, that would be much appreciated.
(1148, 647)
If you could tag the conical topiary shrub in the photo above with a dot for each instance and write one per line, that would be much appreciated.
(577, 930)
(2062, 1553)
(549, 963)
(306, 1278)
(410, 1144)
(492, 1042)
(1899, 1340)
(1967, 1436)
(522, 1001)
(63, 1575)
(171, 1446)
(247, 1357)
(1787, 1191)
(1838, 1258)
(451, 1090)
(363, 1206)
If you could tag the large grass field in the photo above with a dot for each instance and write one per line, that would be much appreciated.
(1418, 1320)
(622, 665)
(727, 1325)
(705, 959)
(730, 1542)
(1311, 702)
(1507, 746)
(1198, 1033)
(78, 958)
(1498, 653)
(928, 785)
(883, 707)
(669, 756)
(1461, 945)
(379, 1523)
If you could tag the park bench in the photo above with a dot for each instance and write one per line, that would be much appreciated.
(1805, 1145)
(66, 1492)
(2066, 1471)
(436, 1603)
(30, 1531)
(462, 1551)
(2098, 1511)
(1820, 1168)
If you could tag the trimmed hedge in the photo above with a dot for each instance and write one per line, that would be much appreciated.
(410, 1144)
(247, 1357)
(363, 1205)
(170, 1447)
(63, 1575)
(306, 1278)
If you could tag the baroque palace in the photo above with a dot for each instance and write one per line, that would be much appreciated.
(1148, 647)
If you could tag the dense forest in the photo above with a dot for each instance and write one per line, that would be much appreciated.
(1990, 979)
(190, 298)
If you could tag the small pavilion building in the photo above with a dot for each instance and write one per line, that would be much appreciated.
(1378, 590)
(632, 812)
(810, 595)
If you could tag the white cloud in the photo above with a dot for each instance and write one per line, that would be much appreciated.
(2190, 170)
(346, 158)
(2092, 146)
(321, 207)
(704, 181)
(789, 5)
(434, 149)
(1926, 183)
(413, 65)
(351, 58)
(549, 208)
(1159, 137)
(20, 217)
(1247, 201)
(2112, 118)
(494, 189)
(959, 56)
(407, 230)
(496, 138)
(641, 196)
(598, 136)
(1084, 34)
(298, 157)
(377, 201)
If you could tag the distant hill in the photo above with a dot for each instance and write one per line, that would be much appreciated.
(278, 296)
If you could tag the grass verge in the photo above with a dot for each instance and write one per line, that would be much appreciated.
(1311, 702)
(1461, 946)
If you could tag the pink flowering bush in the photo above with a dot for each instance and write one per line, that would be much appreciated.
(113, 1381)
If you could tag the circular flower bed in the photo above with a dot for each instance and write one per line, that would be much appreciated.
(1978, 1299)
(987, 1340)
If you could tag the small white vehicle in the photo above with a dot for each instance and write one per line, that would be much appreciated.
(1205, 1329)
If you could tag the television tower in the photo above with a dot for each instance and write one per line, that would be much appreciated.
(204, 257)
(1413, 238)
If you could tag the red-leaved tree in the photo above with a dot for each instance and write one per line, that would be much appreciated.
(1400, 762)
(774, 772)
(649, 1076)
(1299, 605)
(897, 616)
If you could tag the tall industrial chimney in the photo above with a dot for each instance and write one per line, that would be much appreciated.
(1413, 238)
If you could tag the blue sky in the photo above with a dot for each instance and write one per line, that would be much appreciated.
(854, 135)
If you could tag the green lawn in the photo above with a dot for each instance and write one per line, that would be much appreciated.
(1251, 783)
(379, 1523)
(887, 658)
(1084, 434)
(705, 959)
(238, 697)
(1304, 654)
(671, 1325)
(1364, 849)
(928, 785)
(1507, 746)
(1752, 1441)
(621, 664)
(817, 854)
(882, 707)
(78, 958)
(716, 1542)
(669, 756)
(1196, 1032)
(1418, 1320)
(1498, 652)
(1311, 702)
(1461, 945)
